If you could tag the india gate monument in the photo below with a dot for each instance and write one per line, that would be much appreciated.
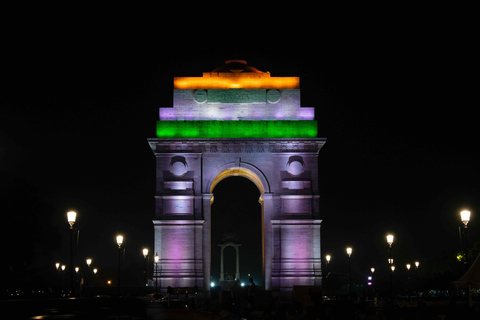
(237, 121)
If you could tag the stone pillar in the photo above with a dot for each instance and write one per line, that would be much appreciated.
(222, 273)
(207, 228)
(266, 199)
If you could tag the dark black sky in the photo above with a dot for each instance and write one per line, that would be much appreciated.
(395, 99)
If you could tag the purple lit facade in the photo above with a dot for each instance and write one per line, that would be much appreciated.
(185, 107)
(285, 170)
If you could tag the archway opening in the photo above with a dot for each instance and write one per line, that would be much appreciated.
(236, 216)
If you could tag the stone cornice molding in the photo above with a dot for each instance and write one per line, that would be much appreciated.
(280, 145)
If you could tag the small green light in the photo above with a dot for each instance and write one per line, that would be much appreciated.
(237, 129)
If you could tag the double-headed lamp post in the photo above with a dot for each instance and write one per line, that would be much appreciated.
(465, 216)
(349, 253)
(119, 243)
(71, 217)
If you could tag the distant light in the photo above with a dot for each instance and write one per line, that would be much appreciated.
(145, 252)
(242, 284)
(89, 262)
(212, 284)
(372, 270)
(417, 264)
(328, 258)
(369, 283)
(393, 268)
(156, 258)
(109, 281)
(57, 265)
(409, 266)
(77, 269)
(369, 278)
(63, 267)
(95, 271)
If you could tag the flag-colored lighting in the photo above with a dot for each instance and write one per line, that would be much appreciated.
(237, 129)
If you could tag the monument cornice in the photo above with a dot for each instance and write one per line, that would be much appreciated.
(230, 145)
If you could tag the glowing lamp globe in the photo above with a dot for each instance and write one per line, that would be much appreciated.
(349, 251)
(71, 216)
(119, 240)
(465, 216)
(390, 239)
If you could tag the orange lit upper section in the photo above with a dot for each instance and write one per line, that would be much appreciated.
(236, 74)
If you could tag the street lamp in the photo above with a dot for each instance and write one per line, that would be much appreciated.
(157, 258)
(71, 217)
(349, 252)
(390, 262)
(408, 277)
(465, 217)
(145, 255)
(119, 242)
(327, 258)
(417, 264)
(89, 262)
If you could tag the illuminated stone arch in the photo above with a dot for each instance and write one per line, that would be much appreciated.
(246, 171)
(236, 246)
(237, 121)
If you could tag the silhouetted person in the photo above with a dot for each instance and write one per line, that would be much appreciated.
(251, 293)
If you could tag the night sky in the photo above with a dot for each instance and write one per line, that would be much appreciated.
(395, 101)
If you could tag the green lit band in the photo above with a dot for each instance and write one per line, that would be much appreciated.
(237, 129)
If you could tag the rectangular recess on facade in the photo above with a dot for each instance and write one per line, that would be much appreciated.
(237, 129)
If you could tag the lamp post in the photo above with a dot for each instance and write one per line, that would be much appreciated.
(372, 271)
(71, 217)
(417, 264)
(408, 277)
(327, 259)
(349, 252)
(145, 256)
(390, 262)
(88, 273)
(119, 242)
(157, 258)
(465, 217)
